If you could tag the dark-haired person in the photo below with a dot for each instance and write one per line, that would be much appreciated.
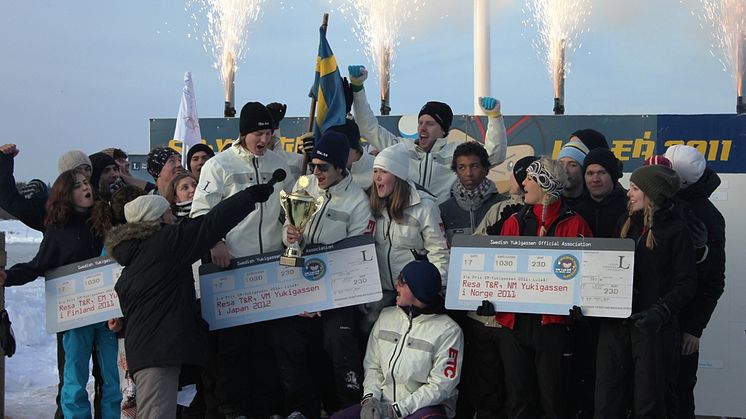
(472, 195)
(105, 177)
(635, 354)
(591, 138)
(197, 156)
(344, 213)
(430, 155)
(606, 200)
(534, 348)
(122, 160)
(250, 161)
(571, 157)
(73, 235)
(414, 356)
(360, 161)
(157, 284)
(407, 223)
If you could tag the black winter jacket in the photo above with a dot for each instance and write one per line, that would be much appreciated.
(156, 288)
(711, 271)
(667, 273)
(30, 212)
(74, 242)
(602, 216)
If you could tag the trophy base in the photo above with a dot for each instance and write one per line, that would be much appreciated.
(292, 261)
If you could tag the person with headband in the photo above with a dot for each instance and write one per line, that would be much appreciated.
(638, 356)
(534, 348)
(408, 226)
(430, 155)
(414, 354)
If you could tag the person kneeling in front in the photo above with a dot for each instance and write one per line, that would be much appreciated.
(414, 355)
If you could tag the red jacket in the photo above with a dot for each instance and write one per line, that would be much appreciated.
(572, 226)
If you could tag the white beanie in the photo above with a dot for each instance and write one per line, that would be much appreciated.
(688, 163)
(145, 208)
(72, 159)
(395, 160)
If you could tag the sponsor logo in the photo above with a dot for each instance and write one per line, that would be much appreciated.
(314, 269)
(566, 267)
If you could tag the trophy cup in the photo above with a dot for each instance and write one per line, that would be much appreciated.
(299, 207)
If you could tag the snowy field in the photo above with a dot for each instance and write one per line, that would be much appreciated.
(31, 374)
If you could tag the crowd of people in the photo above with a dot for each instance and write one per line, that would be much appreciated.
(404, 356)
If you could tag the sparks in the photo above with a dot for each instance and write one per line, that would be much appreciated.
(725, 20)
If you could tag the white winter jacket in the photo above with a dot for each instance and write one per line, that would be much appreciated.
(421, 230)
(344, 213)
(231, 171)
(430, 169)
(414, 362)
(362, 170)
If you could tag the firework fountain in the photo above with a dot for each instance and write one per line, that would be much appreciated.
(377, 25)
(726, 20)
(224, 37)
(558, 24)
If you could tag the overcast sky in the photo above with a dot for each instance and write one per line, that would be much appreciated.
(87, 74)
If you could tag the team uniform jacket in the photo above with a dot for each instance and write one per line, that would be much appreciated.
(344, 213)
(362, 170)
(420, 230)
(414, 362)
(430, 169)
(232, 171)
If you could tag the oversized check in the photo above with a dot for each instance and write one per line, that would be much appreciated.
(258, 288)
(545, 275)
(81, 294)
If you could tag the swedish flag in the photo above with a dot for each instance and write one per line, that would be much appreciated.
(327, 89)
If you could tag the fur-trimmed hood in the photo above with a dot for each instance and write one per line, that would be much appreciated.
(122, 241)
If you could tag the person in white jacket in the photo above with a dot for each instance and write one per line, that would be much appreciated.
(430, 155)
(344, 213)
(246, 163)
(414, 355)
(408, 225)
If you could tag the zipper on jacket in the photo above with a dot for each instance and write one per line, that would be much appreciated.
(423, 182)
(395, 357)
(261, 206)
(388, 254)
(319, 217)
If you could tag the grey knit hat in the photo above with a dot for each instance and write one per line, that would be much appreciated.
(146, 208)
(659, 183)
(72, 159)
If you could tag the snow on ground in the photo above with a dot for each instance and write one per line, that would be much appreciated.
(31, 374)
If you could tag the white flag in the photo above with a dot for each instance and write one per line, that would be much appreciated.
(187, 123)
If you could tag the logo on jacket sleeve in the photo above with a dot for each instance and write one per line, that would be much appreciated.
(371, 227)
(451, 364)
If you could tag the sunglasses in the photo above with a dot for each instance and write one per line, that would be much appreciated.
(323, 167)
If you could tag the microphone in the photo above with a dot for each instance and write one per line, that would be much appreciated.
(278, 176)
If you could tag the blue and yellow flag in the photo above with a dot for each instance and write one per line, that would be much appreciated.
(327, 89)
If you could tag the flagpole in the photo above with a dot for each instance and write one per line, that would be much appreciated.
(312, 112)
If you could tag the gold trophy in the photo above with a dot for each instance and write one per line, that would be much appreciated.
(299, 207)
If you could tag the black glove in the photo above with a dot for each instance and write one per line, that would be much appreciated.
(7, 338)
(576, 314)
(652, 319)
(486, 309)
(495, 229)
(261, 193)
(277, 110)
(309, 142)
(347, 89)
(34, 187)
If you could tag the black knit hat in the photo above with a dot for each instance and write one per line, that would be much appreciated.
(606, 159)
(441, 113)
(351, 131)
(333, 148)
(519, 168)
(194, 149)
(659, 183)
(157, 159)
(423, 279)
(99, 161)
(591, 138)
(255, 117)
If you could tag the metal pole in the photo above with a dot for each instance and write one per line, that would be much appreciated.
(481, 51)
(559, 81)
(741, 75)
(229, 78)
(385, 80)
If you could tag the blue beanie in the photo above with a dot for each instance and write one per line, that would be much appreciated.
(423, 279)
(333, 148)
(575, 150)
